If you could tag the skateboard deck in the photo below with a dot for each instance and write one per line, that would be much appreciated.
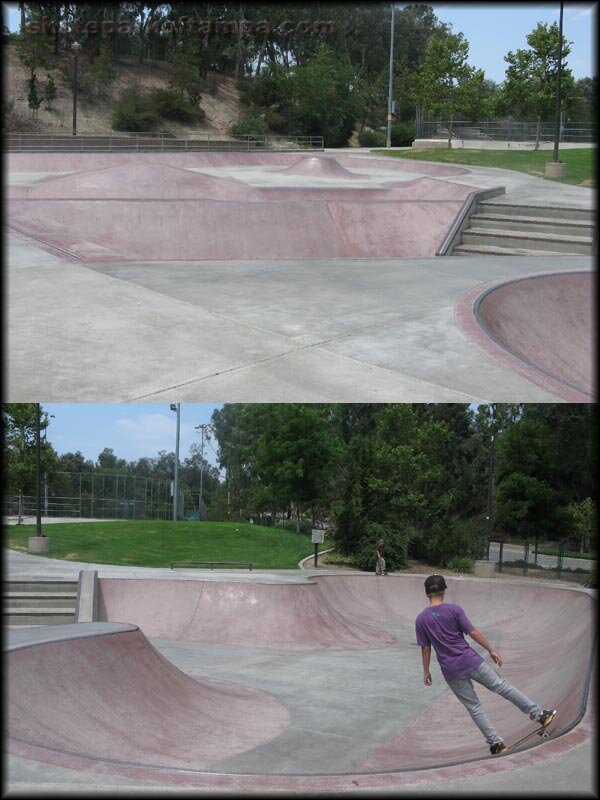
(543, 732)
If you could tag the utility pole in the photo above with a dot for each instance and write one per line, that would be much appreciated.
(391, 79)
(177, 408)
(205, 426)
(488, 516)
(38, 473)
(558, 77)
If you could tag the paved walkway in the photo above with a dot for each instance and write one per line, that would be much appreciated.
(341, 330)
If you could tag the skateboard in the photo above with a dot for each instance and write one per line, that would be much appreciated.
(543, 732)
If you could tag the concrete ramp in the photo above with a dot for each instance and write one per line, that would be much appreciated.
(133, 181)
(320, 167)
(546, 323)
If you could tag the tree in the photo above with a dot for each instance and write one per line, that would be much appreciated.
(447, 85)
(185, 70)
(19, 421)
(585, 522)
(49, 90)
(531, 77)
(34, 101)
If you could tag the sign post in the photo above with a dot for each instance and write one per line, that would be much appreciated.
(318, 537)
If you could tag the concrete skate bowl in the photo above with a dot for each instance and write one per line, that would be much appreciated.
(123, 208)
(108, 702)
(540, 326)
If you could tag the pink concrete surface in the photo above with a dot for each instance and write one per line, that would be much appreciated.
(320, 167)
(156, 211)
(64, 162)
(116, 697)
(141, 718)
(541, 326)
(133, 181)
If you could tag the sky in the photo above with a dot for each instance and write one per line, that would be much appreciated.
(132, 430)
(492, 29)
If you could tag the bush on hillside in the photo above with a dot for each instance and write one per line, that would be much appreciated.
(170, 105)
(402, 134)
(133, 113)
(370, 138)
(250, 124)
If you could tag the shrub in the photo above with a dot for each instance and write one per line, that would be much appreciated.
(395, 547)
(591, 582)
(290, 525)
(133, 113)
(370, 138)
(447, 539)
(170, 105)
(251, 124)
(461, 564)
(402, 134)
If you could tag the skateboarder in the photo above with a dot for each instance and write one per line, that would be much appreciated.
(380, 560)
(443, 625)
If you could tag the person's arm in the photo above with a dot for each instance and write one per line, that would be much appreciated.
(480, 639)
(426, 656)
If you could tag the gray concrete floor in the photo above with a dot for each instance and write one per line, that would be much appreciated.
(338, 331)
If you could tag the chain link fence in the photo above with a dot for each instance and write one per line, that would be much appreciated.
(547, 561)
(102, 496)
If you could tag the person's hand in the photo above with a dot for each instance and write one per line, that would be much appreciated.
(427, 679)
(496, 657)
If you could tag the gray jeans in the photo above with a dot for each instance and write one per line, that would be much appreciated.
(486, 676)
(380, 566)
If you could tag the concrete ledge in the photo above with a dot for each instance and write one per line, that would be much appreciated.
(485, 569)
(38, 544)
(429, 144)
(87, 596)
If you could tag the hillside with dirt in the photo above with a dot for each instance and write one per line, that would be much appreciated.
(94, 112)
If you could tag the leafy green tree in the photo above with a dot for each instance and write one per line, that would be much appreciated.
(185, 70)
(50, 90)
(19, 423)
(585, 523)
(447, 85)
(101, 71)
(34, 101)
(531, 77)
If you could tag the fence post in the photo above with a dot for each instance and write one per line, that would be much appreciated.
(500, 556)
(526, 559)
(561, 553)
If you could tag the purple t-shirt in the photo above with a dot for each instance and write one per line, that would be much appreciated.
(443, 627)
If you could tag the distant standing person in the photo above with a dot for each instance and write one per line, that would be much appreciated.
(380, 559)
(443, 625)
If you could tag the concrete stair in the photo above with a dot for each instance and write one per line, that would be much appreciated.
(33, 602)
(513, 229)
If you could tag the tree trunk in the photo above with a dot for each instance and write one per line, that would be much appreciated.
(449, 134)
(298, 518)
(240, 36)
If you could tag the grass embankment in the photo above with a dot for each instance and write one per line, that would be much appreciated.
(156, 543)
(581, 162)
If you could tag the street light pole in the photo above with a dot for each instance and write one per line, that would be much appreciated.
(389, 119)
(202, 428)
(38, 473)
(177, 408)
(558, 79)
(75, 47)
(488, 516)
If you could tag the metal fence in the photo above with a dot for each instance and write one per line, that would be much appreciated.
(102, 496)
(525, 559)
(507, 130)
(152, 143)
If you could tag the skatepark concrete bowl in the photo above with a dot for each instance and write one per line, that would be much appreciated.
(541, 326)
(104, 698)
(179, 206)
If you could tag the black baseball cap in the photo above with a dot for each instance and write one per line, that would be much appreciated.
(435, 583)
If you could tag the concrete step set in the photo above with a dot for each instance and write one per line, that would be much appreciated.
(50, 602)
(512, 229)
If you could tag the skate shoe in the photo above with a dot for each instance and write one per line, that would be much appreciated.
(497, 748)
(547, 717)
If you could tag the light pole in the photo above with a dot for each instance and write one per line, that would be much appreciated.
(201, 428)
(75, 47)
(38, 473)
(390, 101)
(488, 516)
(558, 77)
(177, 408)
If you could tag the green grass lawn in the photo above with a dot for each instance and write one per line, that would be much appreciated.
(581, 162)
(156, 543)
